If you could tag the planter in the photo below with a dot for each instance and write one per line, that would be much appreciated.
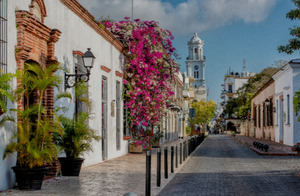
(53, 170)
(70, 166)
(156, 144)
(29, 178)
(135, 149)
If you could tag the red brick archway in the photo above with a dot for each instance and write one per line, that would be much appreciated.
(36, 42)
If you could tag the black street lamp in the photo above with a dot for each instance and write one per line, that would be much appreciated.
(88, 61)
(72, 79)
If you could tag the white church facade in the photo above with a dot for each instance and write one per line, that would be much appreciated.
(195, 66)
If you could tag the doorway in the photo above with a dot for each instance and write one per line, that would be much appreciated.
(104, 117)
(281, 121)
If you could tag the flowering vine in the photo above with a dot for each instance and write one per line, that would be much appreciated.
(147, 74)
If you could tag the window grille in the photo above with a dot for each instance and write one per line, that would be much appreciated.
(3, 36)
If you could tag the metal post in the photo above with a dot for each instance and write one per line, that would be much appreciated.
(166, 162)
(172, 159)
(148, 173)
(180, 154)
(184, 151)
(131, 10)
(158, 173)
(176, 151)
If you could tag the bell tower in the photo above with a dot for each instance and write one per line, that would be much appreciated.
(195, 66)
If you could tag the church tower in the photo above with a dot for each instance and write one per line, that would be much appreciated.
(195, 66)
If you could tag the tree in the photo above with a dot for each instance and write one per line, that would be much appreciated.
(204, 111)
(240, 106)
(148, 74)
(294, 43)
(33, 139)
(296, 102)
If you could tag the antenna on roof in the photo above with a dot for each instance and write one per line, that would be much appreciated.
(131, 10)
(244, 66)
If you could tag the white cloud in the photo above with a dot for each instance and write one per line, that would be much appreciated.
(187, 17)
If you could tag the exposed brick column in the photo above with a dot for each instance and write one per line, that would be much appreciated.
(36, 42)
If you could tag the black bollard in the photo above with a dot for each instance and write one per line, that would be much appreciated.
(172, 159)
(176, 159)
(180, 154)
(158, 171)
(148, 173)
(166, 162)
(183, 151)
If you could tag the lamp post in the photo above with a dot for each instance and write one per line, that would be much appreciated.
(72, 79)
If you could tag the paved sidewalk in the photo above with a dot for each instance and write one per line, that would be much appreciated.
(274, 147)
(110, 178)
(223, 167)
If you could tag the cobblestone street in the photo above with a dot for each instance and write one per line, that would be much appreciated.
(111, 178)
(223, 167)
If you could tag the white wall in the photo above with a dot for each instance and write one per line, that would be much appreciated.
(76, 35)
(283, 87)
(6, 173)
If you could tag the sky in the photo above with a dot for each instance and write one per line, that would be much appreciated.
(232, 30)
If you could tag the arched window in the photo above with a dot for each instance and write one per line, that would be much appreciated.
(38, 10)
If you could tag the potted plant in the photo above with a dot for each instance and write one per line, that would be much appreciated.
(76, 137)
(233, 133)
(156, 138)
(33, 139)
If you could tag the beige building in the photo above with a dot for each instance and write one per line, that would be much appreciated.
(173, 123)
(262, 110)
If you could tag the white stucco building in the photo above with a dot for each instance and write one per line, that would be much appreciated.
(63, 30)
(233, 81)
(287, 82)
(195, 66)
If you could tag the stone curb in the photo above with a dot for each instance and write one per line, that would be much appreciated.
(272, 153)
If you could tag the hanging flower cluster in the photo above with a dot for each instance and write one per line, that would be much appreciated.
(147, 74)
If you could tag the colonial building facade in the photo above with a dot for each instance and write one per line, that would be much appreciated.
(44, 31)
(262, 110)
(173, 123)
(287, 82)
(232, 82)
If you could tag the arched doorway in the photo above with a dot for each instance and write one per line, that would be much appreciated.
(231, 126)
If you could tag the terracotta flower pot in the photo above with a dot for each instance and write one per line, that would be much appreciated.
(135, 149)
(156, 144)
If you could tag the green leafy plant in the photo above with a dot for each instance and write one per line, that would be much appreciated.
(294, 43)
(5, 90)
(77, 136)
(188, 130)
(158, 135)
(296, 101)
(33, 140)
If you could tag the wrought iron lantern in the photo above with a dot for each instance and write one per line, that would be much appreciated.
(88, 59)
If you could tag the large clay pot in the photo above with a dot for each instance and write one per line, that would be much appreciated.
(70, 166)
(29, 178)
(135, 149)
(156, 144)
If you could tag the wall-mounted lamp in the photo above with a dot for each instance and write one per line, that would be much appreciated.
(88, 62)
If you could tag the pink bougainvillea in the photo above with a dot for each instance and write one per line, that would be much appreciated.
(147, 74)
